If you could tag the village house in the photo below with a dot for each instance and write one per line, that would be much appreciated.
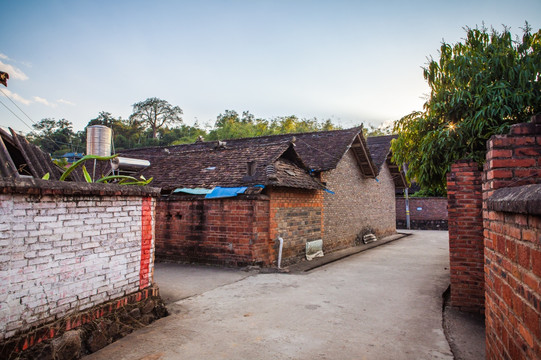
(299, 188)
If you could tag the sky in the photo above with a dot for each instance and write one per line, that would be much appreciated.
(349, 61)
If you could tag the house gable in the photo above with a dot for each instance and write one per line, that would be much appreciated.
(380, 148)
(226, 165)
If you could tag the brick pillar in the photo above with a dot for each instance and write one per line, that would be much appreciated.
(514, 159)
(465, 221)
(513, 247)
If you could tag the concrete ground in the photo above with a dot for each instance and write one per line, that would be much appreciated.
(385, 303)
(465, 333)
(181, 281)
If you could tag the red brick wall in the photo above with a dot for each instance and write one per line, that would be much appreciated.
(466, 236)
(297, 217)
(513, 277)
(513, 247)
(231, 232)
(432, 216)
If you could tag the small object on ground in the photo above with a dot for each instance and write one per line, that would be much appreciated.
(314, 249)
(369, 238)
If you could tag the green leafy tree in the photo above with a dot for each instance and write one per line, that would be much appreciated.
(479, 87)
(55, 136)
(381, 130)
(126, 133)
(154, 113)
(183, 134)
(230, 125)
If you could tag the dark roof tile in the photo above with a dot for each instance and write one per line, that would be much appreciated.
(207, 167)
(380, 148)
(184, 165)
(320, 150)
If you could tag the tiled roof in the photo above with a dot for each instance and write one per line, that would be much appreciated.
(320, 150)
(187, 165)
(208, 165)
(19, 157)
(380, 149)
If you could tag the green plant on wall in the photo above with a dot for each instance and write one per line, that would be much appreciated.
(118, 179)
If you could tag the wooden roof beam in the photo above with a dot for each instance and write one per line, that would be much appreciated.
(33, 164)
(367, 156)
(8, 166)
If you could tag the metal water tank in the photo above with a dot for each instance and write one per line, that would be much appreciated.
(98, 140)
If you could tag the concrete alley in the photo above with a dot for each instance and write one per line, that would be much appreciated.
(385, 303)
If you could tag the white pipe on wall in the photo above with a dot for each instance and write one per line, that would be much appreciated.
(280, 251)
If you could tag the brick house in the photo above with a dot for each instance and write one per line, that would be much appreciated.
(243, 229)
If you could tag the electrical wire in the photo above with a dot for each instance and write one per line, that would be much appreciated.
(46, 137)
(17, 116)
(14, 103)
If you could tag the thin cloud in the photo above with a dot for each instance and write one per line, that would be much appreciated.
(44, 101)
(16, 97)
(14, 73)
(3, 56)
(66, 102)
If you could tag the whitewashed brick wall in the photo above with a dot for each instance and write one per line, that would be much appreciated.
(60, 254)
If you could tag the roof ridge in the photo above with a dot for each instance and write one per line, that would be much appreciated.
(283, 143)
(358, 128)
(295, 134)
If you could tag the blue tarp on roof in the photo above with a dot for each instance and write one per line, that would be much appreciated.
(196, 191)
(220, 192)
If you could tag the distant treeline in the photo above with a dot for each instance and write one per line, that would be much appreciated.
(57, 136)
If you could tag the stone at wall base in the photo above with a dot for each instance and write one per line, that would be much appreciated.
(423, 224)
(88, 337)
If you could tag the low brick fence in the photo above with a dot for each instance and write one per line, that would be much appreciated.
(230, 231)
(238, 231)
(426, 213)
(513, 272)
(512, 218)
(495, 228)
(70, 253)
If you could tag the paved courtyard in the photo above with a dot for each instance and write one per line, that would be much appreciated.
(384, 303)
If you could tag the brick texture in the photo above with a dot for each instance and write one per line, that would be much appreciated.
(428, 213)
(513, 248)
(61, 253)
(147, 235)
(296, 216)
(465, 204)
(230, 231)
(238, 231)
(36, 343)
(358, 203)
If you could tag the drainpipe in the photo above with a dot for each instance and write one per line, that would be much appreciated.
(280, 251)
(407, 208)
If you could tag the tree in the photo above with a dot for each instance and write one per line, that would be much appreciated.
(126, 133)
(155, 113)
(230, 125)
(479, 87)
(104, 118)
(54, 136)
(381, 130)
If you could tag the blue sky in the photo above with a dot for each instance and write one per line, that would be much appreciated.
(351, 61)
